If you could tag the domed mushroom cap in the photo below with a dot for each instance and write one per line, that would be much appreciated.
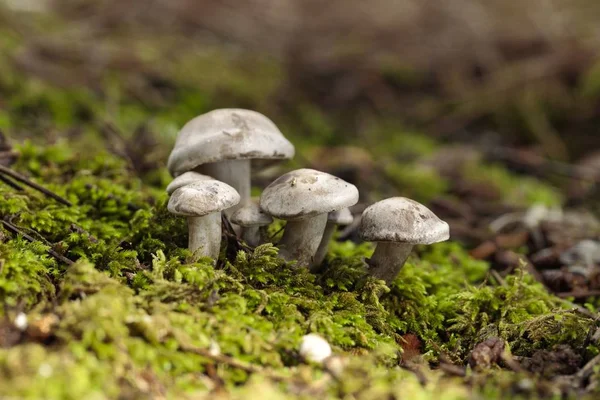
(202, 198)
(185, 179)
(399, 219)
(227, 134)
(341, 217)
(304, 193)
(251, 215)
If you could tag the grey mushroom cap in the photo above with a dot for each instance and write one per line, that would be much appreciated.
(341, 217)
(227, 134)
(305, 193)
(202, 198)
(185, 179)
(399, 219)
(251, 215)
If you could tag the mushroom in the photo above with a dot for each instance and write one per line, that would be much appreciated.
(304, 198)
(221, 143)
(251, 218)
(341, 217)
(202, 202)
(397, 224)
(185, 179)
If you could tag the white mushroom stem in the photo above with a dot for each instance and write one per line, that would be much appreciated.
(301, 239)
(235, 173)
(388, 259)
(251, 235)
(205, 235)
(324, 245)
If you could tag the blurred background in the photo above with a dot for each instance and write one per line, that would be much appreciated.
(485, 72)
(477, 108)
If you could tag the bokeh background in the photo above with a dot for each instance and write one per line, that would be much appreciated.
(514, 72)
(395, 96)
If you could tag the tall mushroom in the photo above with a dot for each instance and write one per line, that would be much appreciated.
(251, 218)
(222, 143)
(341, 217)
(202, 202)
(304, 198)
(397, 224)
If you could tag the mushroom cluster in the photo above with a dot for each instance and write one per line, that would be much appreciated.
(212, 163)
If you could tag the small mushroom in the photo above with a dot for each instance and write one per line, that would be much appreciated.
(303, 198)
(251, 218)
(341, 217)
(186, 179)
(221, 144)
(202, 202)
(397, 224)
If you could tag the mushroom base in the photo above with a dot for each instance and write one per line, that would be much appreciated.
(235, 173)
(301, 239)
(251, 235)
(388, 259)
(323, 246)
(205, 235)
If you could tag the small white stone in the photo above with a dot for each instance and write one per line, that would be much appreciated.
(214, 349)
(45, 370)
(21, 321)
(314, 348)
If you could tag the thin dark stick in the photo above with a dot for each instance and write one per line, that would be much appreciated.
(53, 253)
(232, 362)
(588, 369)
(277, 233)
(10, 183)
(21, 178)
(230, 233)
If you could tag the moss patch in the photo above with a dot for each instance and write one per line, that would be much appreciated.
(131, 308)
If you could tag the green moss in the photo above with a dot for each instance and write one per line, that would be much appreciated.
(26, 273)
(131, 308)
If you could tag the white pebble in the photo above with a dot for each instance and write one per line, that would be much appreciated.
(45, 370)
(21, 321)
(214, 349)
(314, 348)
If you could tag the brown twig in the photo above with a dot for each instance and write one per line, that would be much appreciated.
(7, 171)
(230, 234)
(588, 369)
(276, 233)
(498, 277)
(53, 253)
(232, 362)
(452, 369)
(10, 183)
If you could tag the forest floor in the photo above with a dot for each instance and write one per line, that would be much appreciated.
(100, 298)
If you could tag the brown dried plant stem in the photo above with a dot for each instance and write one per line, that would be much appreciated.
(9, 172)
(10, 227)
(234, 363)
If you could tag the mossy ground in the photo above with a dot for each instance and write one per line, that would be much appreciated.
(133, 318)
(127, 316)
